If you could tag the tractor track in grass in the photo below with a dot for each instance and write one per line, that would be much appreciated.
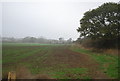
(75, 60)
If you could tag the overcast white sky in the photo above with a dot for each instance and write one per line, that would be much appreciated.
(50, 19)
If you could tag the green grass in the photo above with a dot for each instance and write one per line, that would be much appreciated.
(61, 71)
(108, 63)
(70, 73)
(35, 65)
(20, 53)
(13, 55)
(17, 55)
(30, 44)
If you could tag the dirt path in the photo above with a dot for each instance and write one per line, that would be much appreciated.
(62, 55)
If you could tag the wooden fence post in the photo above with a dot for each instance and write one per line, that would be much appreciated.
(11, 76)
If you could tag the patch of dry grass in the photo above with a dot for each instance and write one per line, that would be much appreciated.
(112, 51)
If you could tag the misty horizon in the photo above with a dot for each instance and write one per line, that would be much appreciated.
(34, 37)
(51, 20)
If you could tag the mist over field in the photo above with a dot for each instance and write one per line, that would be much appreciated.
(51, 20)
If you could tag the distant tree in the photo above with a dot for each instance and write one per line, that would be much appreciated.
(102, 22)
(29, 39)
(69, 40)
(12, 39)
(61, 40)
(33, 39)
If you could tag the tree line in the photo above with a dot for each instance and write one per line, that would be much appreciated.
(41, 40)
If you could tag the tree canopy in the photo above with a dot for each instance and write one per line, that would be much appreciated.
(102, 22)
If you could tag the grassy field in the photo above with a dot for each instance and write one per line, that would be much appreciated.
(107, 63)
(55, 61)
